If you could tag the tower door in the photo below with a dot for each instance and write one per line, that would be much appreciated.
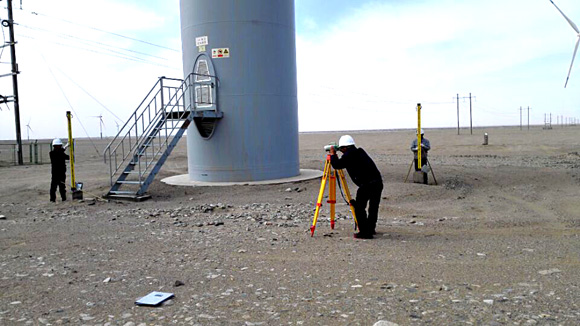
(204, 89)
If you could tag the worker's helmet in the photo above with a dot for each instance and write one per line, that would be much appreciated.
(422, 131)
(57, 142)
(345, 140)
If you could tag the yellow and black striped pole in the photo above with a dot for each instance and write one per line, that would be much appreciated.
(419, 148)
(71, 146)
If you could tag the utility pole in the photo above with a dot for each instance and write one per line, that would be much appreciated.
(470, 116)
(10, 24)
(457, 113)
(470, 119)
(520, 118)
(528, 118)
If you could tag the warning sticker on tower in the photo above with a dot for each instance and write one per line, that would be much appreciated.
(220, 53)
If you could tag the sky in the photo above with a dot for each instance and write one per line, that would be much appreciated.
(362, 64)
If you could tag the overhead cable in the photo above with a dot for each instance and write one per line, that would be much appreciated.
(89, 94)
(69, 104)
(104, 31)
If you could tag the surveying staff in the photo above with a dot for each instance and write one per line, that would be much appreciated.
(425, 147)
(58, 169)
(366, 176)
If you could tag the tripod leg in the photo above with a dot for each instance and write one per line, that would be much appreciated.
(325, 175)
(348, 197)
(408, 172)
(332, 197)
(432, 172)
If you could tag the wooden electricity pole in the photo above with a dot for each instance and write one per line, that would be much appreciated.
(470, 111)
(10, 24)
(528, 118)
(457, 113)
(520, 118)
(470, 119)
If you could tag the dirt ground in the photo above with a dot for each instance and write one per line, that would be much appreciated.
(495, 242)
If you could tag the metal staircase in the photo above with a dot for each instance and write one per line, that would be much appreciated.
(136, 155)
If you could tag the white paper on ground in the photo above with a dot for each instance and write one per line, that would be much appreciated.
(154, 298)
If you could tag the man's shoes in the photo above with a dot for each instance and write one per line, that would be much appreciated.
(361, 235)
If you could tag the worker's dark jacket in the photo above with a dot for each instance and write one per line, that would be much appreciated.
(58, 161)
(359, 165)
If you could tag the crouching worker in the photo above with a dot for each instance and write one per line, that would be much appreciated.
(425, 147)
(366, 176)
(58, 168)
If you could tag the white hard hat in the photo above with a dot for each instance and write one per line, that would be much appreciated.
(345, 140)
(422, 131)
(57, 142)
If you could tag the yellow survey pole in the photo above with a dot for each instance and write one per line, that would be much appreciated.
(419, 135)
(71, 145)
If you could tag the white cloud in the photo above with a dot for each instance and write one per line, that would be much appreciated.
(65, 49)
(370, 70)
(366, 71)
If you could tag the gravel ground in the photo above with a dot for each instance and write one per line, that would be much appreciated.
(496, 242)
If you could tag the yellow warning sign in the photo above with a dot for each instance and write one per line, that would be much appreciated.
(220, 53)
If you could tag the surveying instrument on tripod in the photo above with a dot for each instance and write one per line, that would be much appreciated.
(329, 175)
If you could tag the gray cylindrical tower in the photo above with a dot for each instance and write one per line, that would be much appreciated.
(246, 125)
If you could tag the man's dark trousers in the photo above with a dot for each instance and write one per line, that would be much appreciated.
(368, 194)
(58, 181)
(423, 163)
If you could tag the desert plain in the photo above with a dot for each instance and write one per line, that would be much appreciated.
(496, 241)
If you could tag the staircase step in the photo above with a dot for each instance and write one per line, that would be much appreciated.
(177, 115)
(128, 196)
(150, 164)
(120, 192)
(129, 182)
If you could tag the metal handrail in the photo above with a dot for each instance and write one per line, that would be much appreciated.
(148, 132)
(150, 160)
(130, 135)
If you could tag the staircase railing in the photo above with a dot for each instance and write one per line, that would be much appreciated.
(146, 140)
(138, 142)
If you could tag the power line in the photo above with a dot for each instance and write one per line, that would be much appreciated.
(119, 55)
(3, 41)
(89, 94)
(35, 13)
(69, 104)
(88, 41)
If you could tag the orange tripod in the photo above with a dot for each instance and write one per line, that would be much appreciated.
(330, 174)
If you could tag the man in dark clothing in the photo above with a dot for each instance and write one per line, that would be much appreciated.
(425, 147)
(58, 168)
(366, 176)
